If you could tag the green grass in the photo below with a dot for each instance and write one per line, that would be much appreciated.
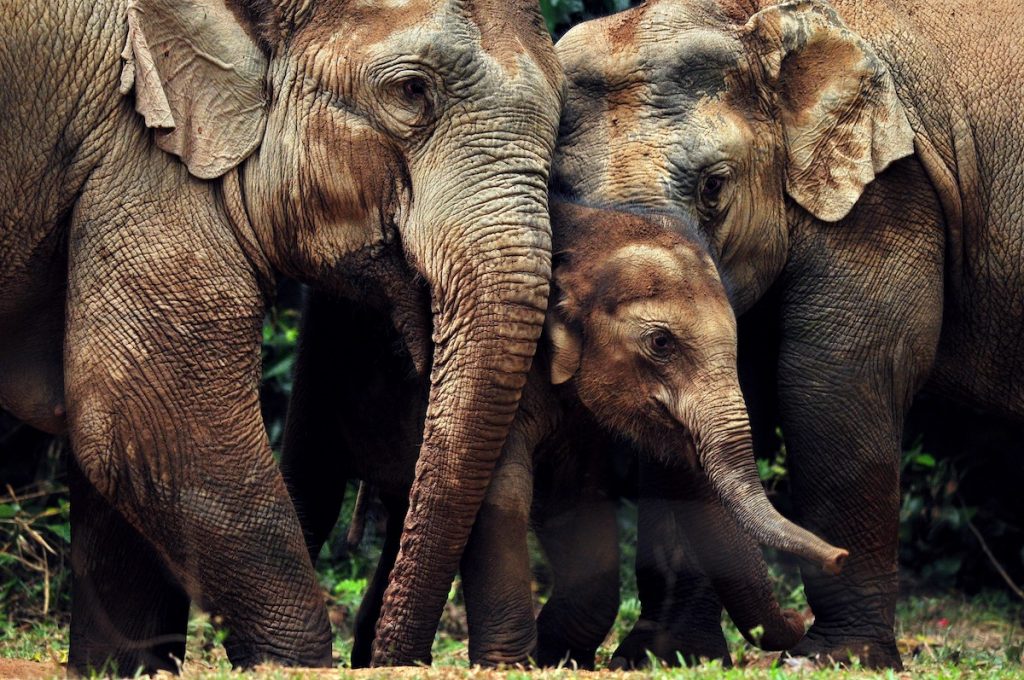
(941, 636)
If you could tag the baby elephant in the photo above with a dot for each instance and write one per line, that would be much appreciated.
(641, 343)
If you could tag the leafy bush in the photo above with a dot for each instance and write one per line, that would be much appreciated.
(961, 516)
(932, 517)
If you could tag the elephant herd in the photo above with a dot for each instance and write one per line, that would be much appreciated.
(836, 189)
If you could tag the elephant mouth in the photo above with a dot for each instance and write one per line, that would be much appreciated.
(687, 449)
(679, 445)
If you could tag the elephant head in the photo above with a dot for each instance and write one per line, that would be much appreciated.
(643, 329)
(349, 131)
(743, 119)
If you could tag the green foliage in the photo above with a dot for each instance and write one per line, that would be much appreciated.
(560, 15)
(42, 640)
(933, 519)
(773, 471)
(280, 335)
(627, 517)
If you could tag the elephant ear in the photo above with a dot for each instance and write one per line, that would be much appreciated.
(842, 120)
(199, 80)
(565, 348)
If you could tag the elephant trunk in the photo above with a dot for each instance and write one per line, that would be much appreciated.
(489, 296)
(722, 436)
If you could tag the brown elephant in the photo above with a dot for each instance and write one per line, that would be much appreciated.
(640, 342)
(159, 162)
(856, 168)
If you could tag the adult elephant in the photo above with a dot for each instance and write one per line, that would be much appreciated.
(862, 160)
(354, 146)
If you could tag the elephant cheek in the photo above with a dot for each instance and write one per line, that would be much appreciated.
(325, 193)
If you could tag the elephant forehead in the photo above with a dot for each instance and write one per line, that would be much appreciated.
(654, 157)
(651, 36)
(366, 22)
(505, 33)
(626, 107)
(643, 257)
(511, 30)
(668, 263)
(713, 132)
(636, 271)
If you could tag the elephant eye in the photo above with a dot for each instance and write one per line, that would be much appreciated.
(412, 99)
(414, 89)
(660, 343)
(710, 189)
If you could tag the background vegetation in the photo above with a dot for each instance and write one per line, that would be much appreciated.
(561, 14)
(961, 526)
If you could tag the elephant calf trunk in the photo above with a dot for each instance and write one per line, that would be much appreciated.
(743, 495)
(725, 450)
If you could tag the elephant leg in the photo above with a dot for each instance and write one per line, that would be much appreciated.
(856, 345)
(576, 523)
(680, 612)
(852, 503)
(355, 410)
(128, 614)
(313, 459)
(369, 608)
(495, 566)
(162, 366)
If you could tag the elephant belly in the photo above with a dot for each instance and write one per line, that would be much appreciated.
(381, 431)
(31, 366)
(981, 352)
(981, 355)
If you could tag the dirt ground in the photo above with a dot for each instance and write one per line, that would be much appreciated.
(29, 670)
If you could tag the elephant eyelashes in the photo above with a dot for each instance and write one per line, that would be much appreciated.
(414, 100)
(660, 343)
(415, 89)
(709, 193)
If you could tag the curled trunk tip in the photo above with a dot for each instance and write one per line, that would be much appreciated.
(726, 453)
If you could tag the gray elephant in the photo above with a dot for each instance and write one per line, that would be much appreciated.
(640, 342)
(159, 162)
(856, 168)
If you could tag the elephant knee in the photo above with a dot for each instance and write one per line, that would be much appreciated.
(593, 608)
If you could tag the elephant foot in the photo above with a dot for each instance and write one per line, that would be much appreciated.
(564, 656)
(648, 637)
(502, 660)
(832, 649)
(106, 662)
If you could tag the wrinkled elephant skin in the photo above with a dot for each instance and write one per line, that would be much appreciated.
(860, 161)
(159, 162)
